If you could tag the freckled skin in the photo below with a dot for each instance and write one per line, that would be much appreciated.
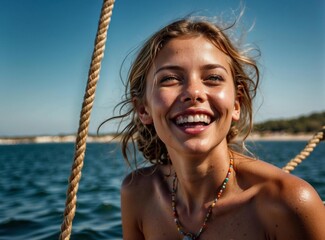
(260, 200)
(192, 78)
(262, 203)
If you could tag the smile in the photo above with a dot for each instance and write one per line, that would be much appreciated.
(193, 119)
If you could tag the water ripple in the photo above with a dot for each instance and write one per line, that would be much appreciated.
(34, 180)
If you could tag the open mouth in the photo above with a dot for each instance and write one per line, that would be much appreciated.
(193, 120)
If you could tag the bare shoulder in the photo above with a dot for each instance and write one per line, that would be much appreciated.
(135, 180)
(142, 181)
(138, 192)
(289, 207)
(138, 185)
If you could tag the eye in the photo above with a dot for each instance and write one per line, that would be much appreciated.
(169, 80)
(215, 78)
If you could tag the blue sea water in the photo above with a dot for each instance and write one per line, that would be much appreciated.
(34, 177)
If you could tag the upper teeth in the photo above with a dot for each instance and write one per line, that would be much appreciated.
(193, 118)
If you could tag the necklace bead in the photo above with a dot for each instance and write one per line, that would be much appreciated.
(188, 235)
(187, 238)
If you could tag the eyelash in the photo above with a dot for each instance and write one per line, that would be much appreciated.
(168, 78)
(211, 78)
(215, 77)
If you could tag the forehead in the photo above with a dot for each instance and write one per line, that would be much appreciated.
(191, 49)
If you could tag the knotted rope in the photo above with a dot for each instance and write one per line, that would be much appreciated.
(312, 143)
(80, 147)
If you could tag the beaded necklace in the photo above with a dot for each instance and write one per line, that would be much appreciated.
(192, 236)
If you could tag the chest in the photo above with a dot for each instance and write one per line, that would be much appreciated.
(239, 223)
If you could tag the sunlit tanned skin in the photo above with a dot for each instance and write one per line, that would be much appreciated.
(192, 78)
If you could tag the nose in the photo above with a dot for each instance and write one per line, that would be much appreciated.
(193, 91)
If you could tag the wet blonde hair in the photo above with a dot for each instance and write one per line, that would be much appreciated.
(244, 71)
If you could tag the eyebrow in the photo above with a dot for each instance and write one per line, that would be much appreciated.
(213, 66)
(176, 67)
(168, 67)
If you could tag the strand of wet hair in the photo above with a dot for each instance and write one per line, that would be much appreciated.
(80, 145)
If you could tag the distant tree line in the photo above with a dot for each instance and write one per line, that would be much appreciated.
(304, 124)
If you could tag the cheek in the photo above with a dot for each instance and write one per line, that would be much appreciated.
(225, 98)
(221, 95)
(160, 101)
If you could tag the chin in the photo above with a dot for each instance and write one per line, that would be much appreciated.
(201, 146)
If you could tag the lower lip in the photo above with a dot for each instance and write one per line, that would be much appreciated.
(193, 129)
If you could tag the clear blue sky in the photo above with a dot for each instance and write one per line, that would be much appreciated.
(46, 47)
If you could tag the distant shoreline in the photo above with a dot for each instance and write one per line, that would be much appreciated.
(280, 137)
(53, 139)
(111, 138)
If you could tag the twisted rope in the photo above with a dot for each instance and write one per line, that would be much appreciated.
(80, 147)
(312, 143)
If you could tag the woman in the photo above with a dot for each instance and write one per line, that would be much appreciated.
(191, 92)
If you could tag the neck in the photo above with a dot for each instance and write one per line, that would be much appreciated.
(199, 178)
(195, 235)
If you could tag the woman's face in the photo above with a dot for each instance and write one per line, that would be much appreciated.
(190, 96)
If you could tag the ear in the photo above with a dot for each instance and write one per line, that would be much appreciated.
(236, 111)
(143, 114)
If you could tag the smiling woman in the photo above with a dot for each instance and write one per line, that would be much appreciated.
(188, 89)
(189, 94)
